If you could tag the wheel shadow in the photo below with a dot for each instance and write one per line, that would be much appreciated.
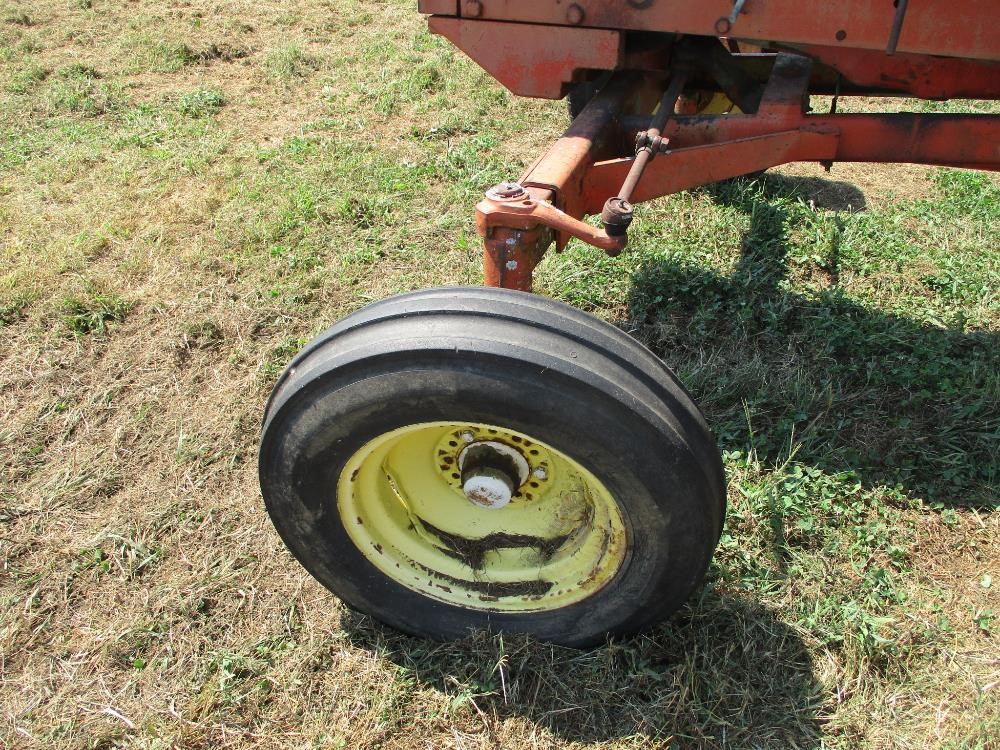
(838, 385)
(723, 672)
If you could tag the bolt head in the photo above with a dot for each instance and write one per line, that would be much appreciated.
(574, 14)
(540, 473)
(506, 191)
(468, 436)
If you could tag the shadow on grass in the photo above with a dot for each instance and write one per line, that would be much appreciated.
(723, 672)
(847, 388)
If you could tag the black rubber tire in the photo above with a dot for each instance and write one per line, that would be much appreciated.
(527, 363)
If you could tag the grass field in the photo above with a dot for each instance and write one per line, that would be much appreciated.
(190, 190)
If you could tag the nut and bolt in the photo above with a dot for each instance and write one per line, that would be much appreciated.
(574, 14)
(616, 216)
(472, 8)
(506, 191)
(655, 143)
(468, 436)
(540, 473)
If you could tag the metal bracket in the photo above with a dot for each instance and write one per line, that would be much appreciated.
(511, 206)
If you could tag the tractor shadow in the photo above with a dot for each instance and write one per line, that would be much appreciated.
(723, 672)
(835, 384)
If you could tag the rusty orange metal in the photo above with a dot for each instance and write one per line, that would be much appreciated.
(524, 211)
(524, 59)
(954, 28)
(624, 148)
(921, 76)
(510, 256)
(438, 7)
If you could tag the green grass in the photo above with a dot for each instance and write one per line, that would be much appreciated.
(187, 195)
(201, 103)
(289, 62)
(92, 315)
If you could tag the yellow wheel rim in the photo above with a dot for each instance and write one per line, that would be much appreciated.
(403, 498)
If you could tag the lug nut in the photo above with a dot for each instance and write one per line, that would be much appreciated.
(540, 473)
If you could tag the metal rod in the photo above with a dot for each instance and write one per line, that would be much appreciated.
(659, 121)
(897, 26)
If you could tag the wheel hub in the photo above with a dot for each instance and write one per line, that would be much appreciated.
(491, 472)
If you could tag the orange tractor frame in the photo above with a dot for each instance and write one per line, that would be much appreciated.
(646, 64)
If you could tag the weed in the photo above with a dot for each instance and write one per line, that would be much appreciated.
(203, 335)
(289, 62)
(170, 56)
(93, 313)
(12, 308)
(18, 18)
(27, 79)
(76, 89)
(201, 103)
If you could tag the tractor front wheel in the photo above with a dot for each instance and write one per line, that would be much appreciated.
(464, 458)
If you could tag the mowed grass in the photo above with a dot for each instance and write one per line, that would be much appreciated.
(190, 191)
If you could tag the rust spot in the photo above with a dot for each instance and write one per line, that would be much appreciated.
(354, 474)
(378, 547)
(360, 522)
(605, 543)
(490, 591)
(473, 551)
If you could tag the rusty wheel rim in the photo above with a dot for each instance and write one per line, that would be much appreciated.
(481, 517)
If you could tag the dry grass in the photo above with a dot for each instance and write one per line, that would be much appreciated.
(188, 191)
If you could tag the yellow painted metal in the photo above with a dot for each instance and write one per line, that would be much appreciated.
(560, 539)
(720, 104)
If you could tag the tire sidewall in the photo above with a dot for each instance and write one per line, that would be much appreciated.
(318, 427)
